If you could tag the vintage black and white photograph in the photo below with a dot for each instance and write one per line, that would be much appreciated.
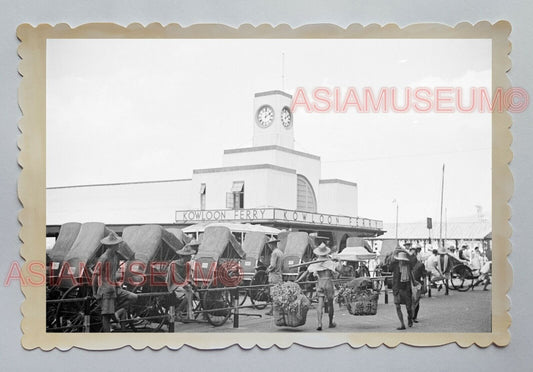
(314, 190)
(266, 185)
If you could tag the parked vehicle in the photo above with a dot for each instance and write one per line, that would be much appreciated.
(154, 248)
(298, 250)
(215, 267)
(254, 267)
(356, 262)
(69, 293)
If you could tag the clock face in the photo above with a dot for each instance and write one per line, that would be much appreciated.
(286, 117)
(265, 116)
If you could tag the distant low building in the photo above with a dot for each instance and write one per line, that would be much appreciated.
(472, 233)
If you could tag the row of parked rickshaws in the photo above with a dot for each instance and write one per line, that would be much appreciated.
(219, 265)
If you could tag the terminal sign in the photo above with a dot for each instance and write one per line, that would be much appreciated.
(270, 215)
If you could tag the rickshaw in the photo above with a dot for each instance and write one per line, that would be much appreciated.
(214, 267)
(146, 273)
(356, 258)
(298, 249)
(282, 237)
(179, 234)
(254, 268)
(54, 258)
(353, 260)
(455, 276)
(66, 238)
(239, 230)
(74, 281)
(463, 278)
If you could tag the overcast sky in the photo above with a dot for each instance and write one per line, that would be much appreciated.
(137, 110)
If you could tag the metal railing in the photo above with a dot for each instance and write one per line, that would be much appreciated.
(170, 316)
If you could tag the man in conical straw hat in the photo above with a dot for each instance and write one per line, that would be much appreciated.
(401, 285)
(444, 265)
(325, 291)
(418, 273)
(113, 299)
(180, 280)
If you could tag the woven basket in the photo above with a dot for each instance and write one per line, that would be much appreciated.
(292, 318)
(363, 303)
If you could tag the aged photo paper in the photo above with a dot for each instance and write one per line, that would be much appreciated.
(257, 186)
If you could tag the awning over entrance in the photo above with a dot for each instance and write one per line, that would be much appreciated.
(234, 227)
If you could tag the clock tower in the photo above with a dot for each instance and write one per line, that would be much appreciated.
(273, 121)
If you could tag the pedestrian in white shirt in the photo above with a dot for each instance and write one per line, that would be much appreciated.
(475, 262)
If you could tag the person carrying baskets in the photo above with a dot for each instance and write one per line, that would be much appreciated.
(325, 271)
(401, 285)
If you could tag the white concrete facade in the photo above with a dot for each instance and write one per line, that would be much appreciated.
(337, 197)
(265, 185)
(302, 163)
(122, 203)
(271, 174)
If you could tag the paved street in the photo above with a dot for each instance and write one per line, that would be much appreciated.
(458, 312)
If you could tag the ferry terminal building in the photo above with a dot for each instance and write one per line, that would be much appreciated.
(270, 183)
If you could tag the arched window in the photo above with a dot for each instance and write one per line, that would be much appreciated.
(305, 195)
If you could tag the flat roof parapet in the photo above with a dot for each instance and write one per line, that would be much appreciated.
(244, 168)
(272, 147)
(337, 180)
(271, 92)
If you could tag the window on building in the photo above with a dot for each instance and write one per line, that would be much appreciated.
(305, 195)
(202, 196)
(235, 198)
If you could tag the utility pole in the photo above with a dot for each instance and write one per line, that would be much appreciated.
(441, 202)
(445, 224)
(397, 210)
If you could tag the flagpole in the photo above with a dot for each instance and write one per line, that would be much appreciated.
(441, 202)
(445, 224)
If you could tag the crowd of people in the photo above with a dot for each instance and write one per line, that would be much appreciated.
(410, 267)
(408, 264)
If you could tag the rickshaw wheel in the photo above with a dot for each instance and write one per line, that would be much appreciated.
(72, 314)
(217, 305)
(51, 308)
(260, 296)
(196, 307)
(152, 307)
(51, 311)
(243, 296)
(461, 278)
